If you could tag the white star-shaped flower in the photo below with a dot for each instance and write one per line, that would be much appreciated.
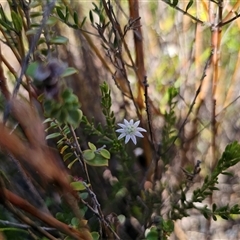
(130, 130)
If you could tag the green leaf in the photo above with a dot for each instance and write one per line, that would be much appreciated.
(75, 18)
(97, 161)
(12, 229)
(60, 13)
(153, 234)
(214, 207)
(6, 25)
(78, 186)
(66, 93)
(51, 21)
(71, 163)
(168, 225)
(36, 14)
(175, 3)
(60, 216)
(53, 135)
(47, 120)
(227, 173)
(214, 217)
(92, 146)
(75, 222)
(95, 235)
(67, 156)
(83, 195)
(63, 149)
(83, 21)
(225, 217)
(88, 155)
(31, 31)
(17, 21)
(59, 40)
(74, 117)
(91, 17)
(189, 5)
(66, 14)
(61, 115)
(213, 188)
(69, 71)
(31, 70)
(105, 153)
(34, 4)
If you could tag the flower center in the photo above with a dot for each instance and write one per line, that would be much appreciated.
(130, 129)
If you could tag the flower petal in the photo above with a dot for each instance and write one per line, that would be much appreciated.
(138, 134)
(139, 129)
(127, 139)
(121, 130)
(121, 135)
(134, 139)
(126, 122)
(131, 122)
(122, 125)
(136, 123)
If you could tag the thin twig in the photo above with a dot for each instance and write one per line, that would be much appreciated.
(46, 13)
(145, 83)
(193, 102)
(97, 207)
(80, 154)
(101, 218)
(184, 12)
(229, 21)
(24, 226)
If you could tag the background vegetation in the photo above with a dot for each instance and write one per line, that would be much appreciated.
(80, 68)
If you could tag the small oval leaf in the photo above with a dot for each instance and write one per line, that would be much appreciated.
(105, 153)
(53, 135)
(67, 156)
(88, 155)
(92, 146)
(189, 5)
(59, 40)
(69, 71)
(97, 161)
(78, 186)
(71, 163)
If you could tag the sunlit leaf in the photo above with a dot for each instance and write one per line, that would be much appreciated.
(71, 163)
(153, 235)
(53, 135)
(92, 146)
(78, 186)
(97, 161)
(67, 156)
(69, 71)
(88, 155)
(95, 235)
(17, 21)
(36, 14)
(31, 70)
(105, 153)
(51, 21)
(63, 149)
(59, 40)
